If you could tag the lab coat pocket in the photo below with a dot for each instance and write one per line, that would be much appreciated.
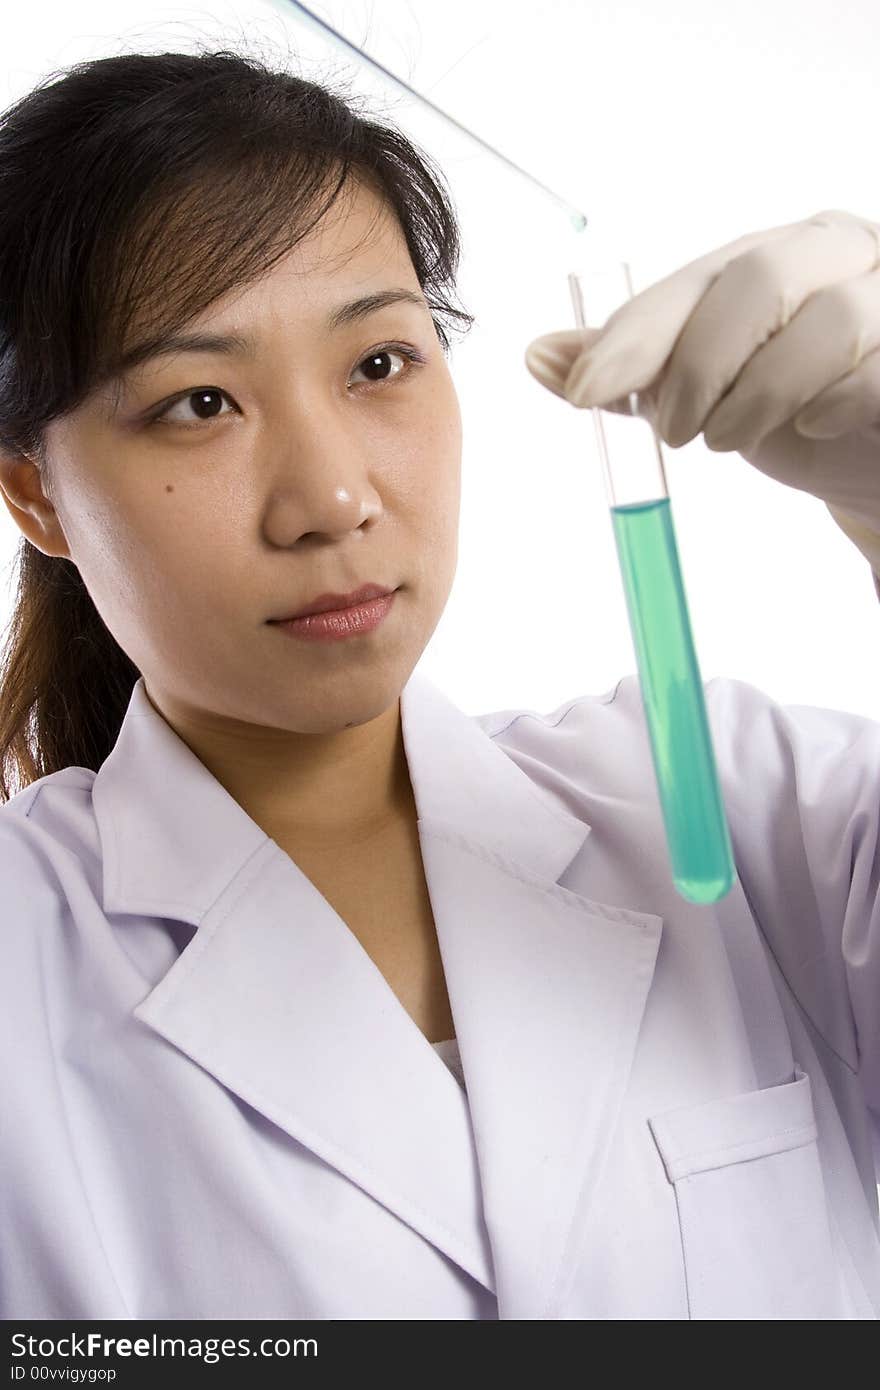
(752, 1210)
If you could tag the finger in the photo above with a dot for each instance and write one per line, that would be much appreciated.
(628, 358)
(549, 358)
(558, 359)
(554, 357)
(755, 298)
(848, 405)
(821, 345)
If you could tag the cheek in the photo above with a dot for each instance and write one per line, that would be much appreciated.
(426, 492)
(440, 442)
(451, 470)
(98, 529)
(135, 556)
(449, 416)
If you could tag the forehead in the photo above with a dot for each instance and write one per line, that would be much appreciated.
(357, 240)
(358, 248)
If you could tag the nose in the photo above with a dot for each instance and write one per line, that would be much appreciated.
(328, 489)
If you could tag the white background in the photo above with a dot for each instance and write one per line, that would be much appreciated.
(675, 127)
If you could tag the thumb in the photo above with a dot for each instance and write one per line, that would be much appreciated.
(551, 360)
(551, 357)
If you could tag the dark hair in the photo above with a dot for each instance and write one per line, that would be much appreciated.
(103, 168)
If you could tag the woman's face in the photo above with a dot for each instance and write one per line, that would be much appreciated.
(305, 470)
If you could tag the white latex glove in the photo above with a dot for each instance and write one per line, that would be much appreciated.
(769, 346)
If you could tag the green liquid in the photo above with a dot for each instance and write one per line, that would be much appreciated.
(672, 694)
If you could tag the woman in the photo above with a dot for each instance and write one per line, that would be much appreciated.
(257, 877)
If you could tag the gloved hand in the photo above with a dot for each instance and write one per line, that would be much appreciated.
(769, 345)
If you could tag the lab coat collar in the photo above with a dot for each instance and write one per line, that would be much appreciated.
(275, 997)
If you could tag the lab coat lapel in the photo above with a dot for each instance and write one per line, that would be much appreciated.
(547, 989)
(548, 992)
(276, 999)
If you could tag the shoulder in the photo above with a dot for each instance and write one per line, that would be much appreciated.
(47, 805)
(737, 710)
(814, 754)
(587, 746)
(582, 736)
(761, 744)
(48, 848)
(513, 727)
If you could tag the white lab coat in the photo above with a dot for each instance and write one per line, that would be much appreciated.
(214, 1106)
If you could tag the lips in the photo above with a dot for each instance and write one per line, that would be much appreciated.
(326, 603)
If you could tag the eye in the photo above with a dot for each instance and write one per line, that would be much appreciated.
(203, 400)
(375, 363)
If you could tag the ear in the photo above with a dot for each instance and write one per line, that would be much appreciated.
(22, 490)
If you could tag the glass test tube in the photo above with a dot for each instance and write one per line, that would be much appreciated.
(697, 834)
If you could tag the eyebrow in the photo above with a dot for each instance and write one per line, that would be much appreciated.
(234, 344)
